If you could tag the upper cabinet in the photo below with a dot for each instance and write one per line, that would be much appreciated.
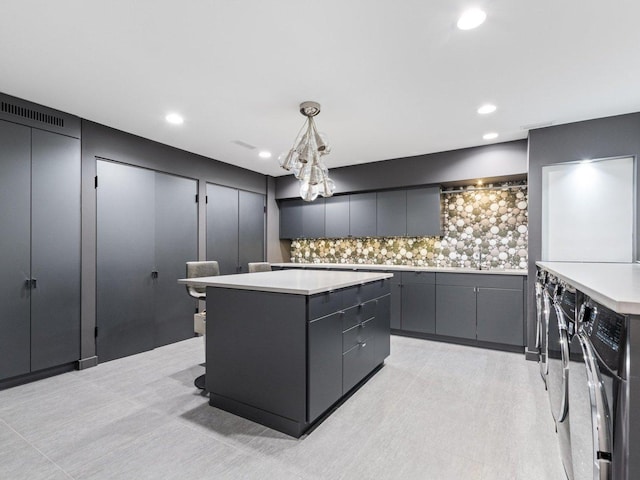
(423, 212)
(362, 215)
(390, 213)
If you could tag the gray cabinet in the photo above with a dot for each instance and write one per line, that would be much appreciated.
(235, 228)
(40, 241)
(362, 215)
(325, 363)
(146, 232)
(483, 307)
(391, 213)
(499, 315)
(456, 311)
(395, 322)
(300, 219)
(336, 220)
(418, 302)
(423, 212)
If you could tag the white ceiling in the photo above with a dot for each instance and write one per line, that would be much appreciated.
(395, 78)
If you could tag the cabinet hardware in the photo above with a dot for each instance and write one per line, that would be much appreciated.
(27, 283)
(34, 283)
(362, 344)
(154, 274)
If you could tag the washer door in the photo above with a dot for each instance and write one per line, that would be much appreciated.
(589, 419)
(557, 364)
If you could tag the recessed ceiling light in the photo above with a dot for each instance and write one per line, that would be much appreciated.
(264, 154)
(174, 119)
(490, 136)
(472, 18)
(486, 108)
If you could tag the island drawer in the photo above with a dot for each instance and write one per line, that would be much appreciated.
(356, 364)
(358, 314)
(324, 304)
(357, 334)
(367, 291)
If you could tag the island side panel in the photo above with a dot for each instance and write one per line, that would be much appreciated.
(256, 350)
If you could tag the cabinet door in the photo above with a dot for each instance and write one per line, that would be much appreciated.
(392, 213)
(362, 215)
(291, 219)
(423, 212)
(313, 215)
(381, 329)
(336, 211)
(222, 227)
(250, 229)
(325, 364)
(125, 259)
(176, 242)
(500, 316)
(456, 311)
(15, 225)
(55, 249)
(418, 307)
(396, 300)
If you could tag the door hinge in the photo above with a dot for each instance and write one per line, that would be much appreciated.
(197, 198)
(206, 199)
(95, 332)
(95, 182)
(264, 209)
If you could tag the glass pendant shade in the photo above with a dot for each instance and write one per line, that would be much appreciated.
(304, 158)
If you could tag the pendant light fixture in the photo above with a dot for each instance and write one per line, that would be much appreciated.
(305, 157)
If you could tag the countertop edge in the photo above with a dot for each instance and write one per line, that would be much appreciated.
(400, 268)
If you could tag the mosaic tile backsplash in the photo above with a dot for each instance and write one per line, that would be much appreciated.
(487, 226)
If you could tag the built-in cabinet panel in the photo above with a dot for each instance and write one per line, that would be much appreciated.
(55, 249)
(15, 264)
(175, 240)
(396, 300)
(143, 243)
(235, 228)
(291, 213)
(423, 212)
(336, 217)
(391, 213)
(251, 224)
(222, 227)
(40, 241)
(362, 215)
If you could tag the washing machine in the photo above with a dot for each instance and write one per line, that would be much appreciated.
(598, 393)
(560, 328)
(542, 306)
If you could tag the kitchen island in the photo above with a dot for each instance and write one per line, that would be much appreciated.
(284, 347)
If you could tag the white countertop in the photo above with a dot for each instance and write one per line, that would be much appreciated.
(297, 282)
(401, 268)
(614, 285)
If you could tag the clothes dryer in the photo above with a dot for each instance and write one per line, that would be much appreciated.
(560, 327)
(598, 392)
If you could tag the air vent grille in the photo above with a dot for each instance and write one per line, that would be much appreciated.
(32, 114)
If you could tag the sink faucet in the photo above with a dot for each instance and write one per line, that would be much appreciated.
(479, 262)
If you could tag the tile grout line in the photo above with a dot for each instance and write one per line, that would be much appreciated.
(38, 450)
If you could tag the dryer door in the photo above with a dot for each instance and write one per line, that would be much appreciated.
(589, 419)
(557, 364)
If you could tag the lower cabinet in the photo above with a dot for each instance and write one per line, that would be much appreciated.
(418, 302)
(483, 307)
(348, 337)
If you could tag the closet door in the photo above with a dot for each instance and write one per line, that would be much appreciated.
(222, 227)
(15, 204)
(176, 242)
(55, 250)
(251, 228)
(125, 260)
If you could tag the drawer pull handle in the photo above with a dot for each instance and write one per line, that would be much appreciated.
(362, 344)
(362, 325)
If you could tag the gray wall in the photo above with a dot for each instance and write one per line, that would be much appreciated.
(497, 160)
(103, 142)
(600, 138)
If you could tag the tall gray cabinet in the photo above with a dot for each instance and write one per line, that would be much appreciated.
(146, 232)
(40, 245)
(235, 228)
